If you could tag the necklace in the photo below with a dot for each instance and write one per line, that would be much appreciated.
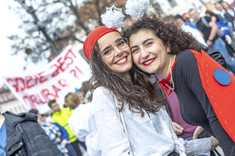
(168, 84)
(171, 82)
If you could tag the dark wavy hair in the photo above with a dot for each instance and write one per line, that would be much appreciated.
(210, 13)
(166, 31)
(141, 98)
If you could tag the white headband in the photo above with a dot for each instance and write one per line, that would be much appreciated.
(114, 18)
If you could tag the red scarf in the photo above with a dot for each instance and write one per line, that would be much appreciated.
(164, 83)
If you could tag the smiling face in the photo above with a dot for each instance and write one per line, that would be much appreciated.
(219, 7)
(226, 5)
(55, 107)
(194, 15)
(149, 53)
(115, 53)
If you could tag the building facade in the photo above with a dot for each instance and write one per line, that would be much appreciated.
(8, 102)
(173, 7)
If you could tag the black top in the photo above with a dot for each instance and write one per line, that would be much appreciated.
(204, 29)
(195, 106)
(25, 137)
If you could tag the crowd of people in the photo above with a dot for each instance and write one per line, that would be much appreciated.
(162, 86)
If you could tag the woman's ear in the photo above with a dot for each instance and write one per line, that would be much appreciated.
(168, 48)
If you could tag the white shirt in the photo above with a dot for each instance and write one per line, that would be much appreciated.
(151, 135)
(221, 13)
(230, 11)
(195, 33)
(82, 124)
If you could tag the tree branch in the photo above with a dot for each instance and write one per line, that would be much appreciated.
(97, 6)
(78, 21)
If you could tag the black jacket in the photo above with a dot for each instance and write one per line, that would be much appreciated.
(216, 55)
(25, 137)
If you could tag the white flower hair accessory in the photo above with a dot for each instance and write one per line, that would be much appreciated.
(136, 8)
(113, 17)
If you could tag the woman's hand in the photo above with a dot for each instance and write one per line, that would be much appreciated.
(64, 142)
(177, 128)
(197, 131)
(209, 42)
(214, 142)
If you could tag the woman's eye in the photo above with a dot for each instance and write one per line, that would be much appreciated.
(149, 43)
(121, 43)
(106, 52)
(134, 50)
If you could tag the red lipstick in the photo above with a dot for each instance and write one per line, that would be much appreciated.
(150, 61)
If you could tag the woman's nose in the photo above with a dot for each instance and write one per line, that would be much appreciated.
(144, 54)
(117, 51)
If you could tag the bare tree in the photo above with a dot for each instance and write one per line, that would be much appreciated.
(50, 25)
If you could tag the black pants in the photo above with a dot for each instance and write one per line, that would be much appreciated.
(76, 147)
(229, 48)
(82, 144)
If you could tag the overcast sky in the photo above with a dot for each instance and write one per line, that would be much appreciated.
(11, 65)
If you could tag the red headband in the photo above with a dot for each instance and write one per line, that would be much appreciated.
(92, 38)
(184, 14)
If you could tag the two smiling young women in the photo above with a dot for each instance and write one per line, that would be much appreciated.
(152, 43)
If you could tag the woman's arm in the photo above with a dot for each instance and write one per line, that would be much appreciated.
(190, 75)
(197, 132)
(198, 146)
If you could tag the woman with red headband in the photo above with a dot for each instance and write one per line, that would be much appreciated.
(128, 117)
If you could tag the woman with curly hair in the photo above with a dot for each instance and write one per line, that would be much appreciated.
(205, 90)
(144, 127)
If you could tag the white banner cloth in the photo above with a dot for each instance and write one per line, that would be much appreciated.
(61, 76)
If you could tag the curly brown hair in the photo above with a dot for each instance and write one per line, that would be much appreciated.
(141, 98)
(166, 31)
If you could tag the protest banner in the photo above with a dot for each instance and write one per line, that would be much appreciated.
(61, 76)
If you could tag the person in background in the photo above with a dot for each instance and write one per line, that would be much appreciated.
(229, 14)
(227, 37)
(186, 17)
(58, 135)
(87, 91)
(80, 95)
(22, 135)
(217, 20)
(188, 27)
(196, 33)
(220, 12)
(81, 122)
(61, 116)
(233, 5)
(161, 49)
(211, 37)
